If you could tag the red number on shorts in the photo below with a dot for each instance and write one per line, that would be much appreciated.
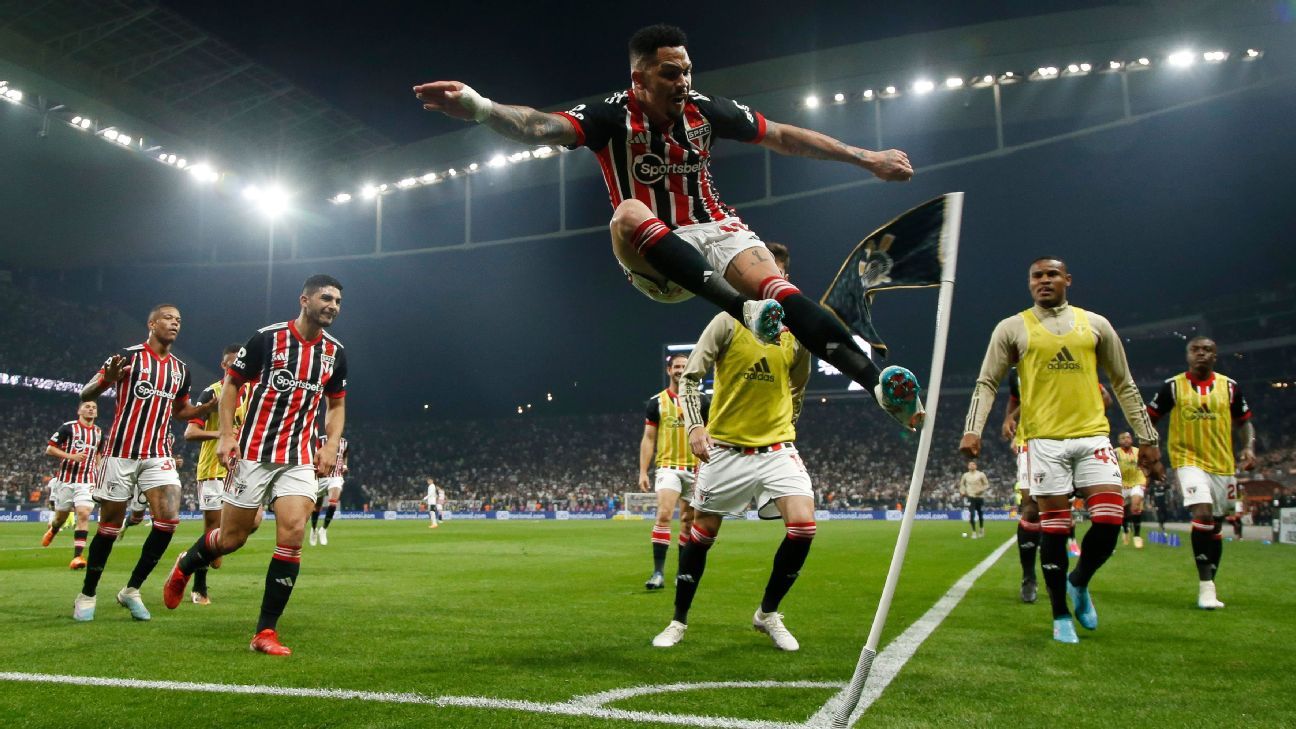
(1106, 455)
(168, 464)
(1232, 492)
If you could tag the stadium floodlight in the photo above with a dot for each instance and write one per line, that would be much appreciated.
(1181, 59)
(1215, 56)
(369, 191)
(124, 139)
(13, 95)
(429, 178)
(452, 172)
(1252, 54)
(543, 152)
(839, 97)
(1008, 77)
(171, 159)
(953, 82)
(76, 120)
(549, 396)
(85, 123)
(498, 161)
(473, 167)
(182, 163)
(812, 102)
(923, 86)
(1115, 65)
(519, 156)
(982, 82)
(272, 200)
(203, 172)
(1044, 72)
(341, 198)
(890, 92)
(406, 182)
(110, 135)
(868, 94)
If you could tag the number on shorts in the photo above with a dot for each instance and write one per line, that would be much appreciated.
(1232, 490)
(1106, 455)
(168, 464)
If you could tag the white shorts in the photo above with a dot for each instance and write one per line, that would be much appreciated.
(211, 494)
(733, 477)
(1138, 491)
(256, 484)
(1023, 468)
(330, 482)
(1057, 467)
(124, 479)
(1199, 487)
(679, 480)
(718, 242)
(64, 496)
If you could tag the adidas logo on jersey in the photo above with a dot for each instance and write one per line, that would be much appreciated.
(1199, 412)
(639, 138)
(759, 371)
(1064, 361)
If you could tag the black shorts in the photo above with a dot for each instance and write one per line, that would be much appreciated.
(976, 503)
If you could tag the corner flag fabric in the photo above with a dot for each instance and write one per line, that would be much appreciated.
(905, 253)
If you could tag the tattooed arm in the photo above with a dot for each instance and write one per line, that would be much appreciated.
(891, 164)
(518, 123)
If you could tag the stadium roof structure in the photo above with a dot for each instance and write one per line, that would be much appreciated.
(179, 82)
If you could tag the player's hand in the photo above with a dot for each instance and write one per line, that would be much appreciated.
(227, 448)
(207, 407)
(643, 483)
(700, 443)
(76, 457)
(1248, 460)
(891, 165)
(452, 98)
(325, 459)
(115, 368)
(1009, 429)
(1149, 458)
(970, 445)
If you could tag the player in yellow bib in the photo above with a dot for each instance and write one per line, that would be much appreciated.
(1133, 487)
(1204, 407)
(1058, 350)
(665, 445)
(211, 471)
(748, 451)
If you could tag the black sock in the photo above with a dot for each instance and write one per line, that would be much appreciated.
(54, 528)
(1137, 520)
(1099, 543)
(200, 581)
(659, 556)
(1216, 547)
(78, 541)
(202, 553)
(1125, 523)
(155, 545)
(97, 556)
(788, 560)
(280, 579)
(822, 334)
(315, 515)
(692, 565)
(1053, 558)
(682, 264)
(1027, 546)
(1202, 533)
(981, 518)
(328, 515)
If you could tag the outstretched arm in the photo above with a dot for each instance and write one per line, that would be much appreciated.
(891, 164)
(518, 123)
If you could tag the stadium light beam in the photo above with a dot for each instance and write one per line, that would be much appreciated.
(953, 82)
(812, 102)
(923, 86)
(498, 160)
(341, 198)
(272, 200)
(369, 191)
(1181, 59)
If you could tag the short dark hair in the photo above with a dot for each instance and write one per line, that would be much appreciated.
(1051, 258)
(319, 281)
(646, 41)
(159, 307)
(231, 349)
(779, 251)
(671, 357)
(1199, 338)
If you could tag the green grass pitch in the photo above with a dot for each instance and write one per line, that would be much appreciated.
(548, 611)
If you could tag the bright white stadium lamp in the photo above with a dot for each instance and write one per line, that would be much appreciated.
(982, 82)
(1252, 54)
(1115, 65)
(1181, 59)
(406, 183)
(869, 94)
(1044, 72)
(182, 163)
(13, 95)
(923, 86)
(76, 120)
(369, 191)
(1008, 77)
(203, 172)
(1215, 56)
(839, 97)
(110, 135)
(953, 82)
(498, 161)
(124, 139)
(452, 172)
(84, 123)
(272, 200)
(812, 102)
(890, 92)
(429, 178)
(473, 167)
(341, 198)
(543, 152)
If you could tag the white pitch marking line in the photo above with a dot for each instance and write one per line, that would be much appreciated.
(606, 697)
(568, 708)
(898, 652)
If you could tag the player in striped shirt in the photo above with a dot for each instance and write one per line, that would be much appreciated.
(75, 444)
(273, 459)
(1204, 408)
(330, 487)
(665, 444)
(671, 232)
(152, 388)
(211, 470)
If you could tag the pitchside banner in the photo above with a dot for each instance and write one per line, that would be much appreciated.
(1289, 520)
(1287, 526)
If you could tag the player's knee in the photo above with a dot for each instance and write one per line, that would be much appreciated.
(803, 531)
(628, 216)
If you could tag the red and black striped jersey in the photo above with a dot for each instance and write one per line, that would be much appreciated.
(289, 375)
(149, 390)
(344, 452)
(73, 437)
(666, 169)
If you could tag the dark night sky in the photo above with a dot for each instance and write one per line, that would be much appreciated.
(364, 57)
